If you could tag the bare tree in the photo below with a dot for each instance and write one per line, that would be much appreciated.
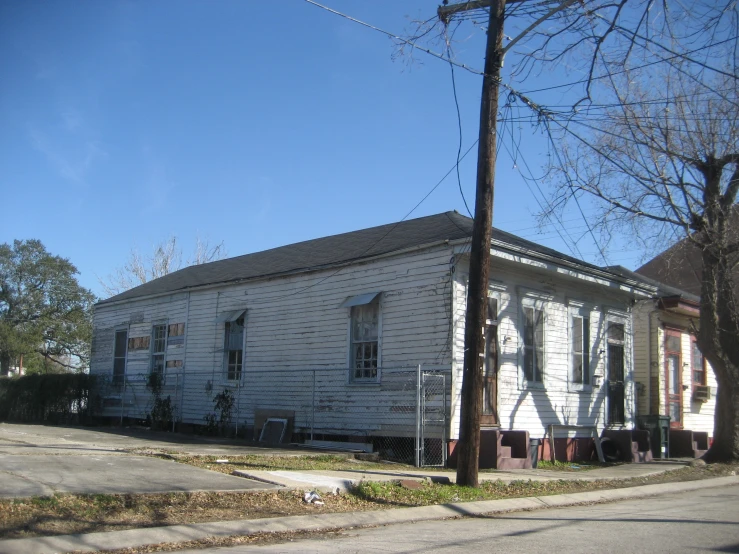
(662, 164)
(165, 258)
(648, 129)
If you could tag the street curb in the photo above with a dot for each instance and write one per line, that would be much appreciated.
(133, 538)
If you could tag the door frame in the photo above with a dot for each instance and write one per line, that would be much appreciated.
(491, 364)
(612, 384)
(669, 397)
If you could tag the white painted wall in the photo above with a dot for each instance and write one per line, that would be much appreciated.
(557, 402)
(295, 323)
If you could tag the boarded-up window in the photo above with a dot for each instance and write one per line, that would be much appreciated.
(174, 363)
(175, 334)
(138, 343)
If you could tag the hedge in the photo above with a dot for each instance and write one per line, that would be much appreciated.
(52, 398)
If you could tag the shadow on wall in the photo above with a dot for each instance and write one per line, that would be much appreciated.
(591, 404)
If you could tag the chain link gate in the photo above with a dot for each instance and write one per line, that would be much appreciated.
(431, 418)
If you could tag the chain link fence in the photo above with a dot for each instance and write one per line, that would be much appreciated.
(403, 414)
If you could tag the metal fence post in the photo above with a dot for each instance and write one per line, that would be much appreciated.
(443, 421)
(123, 398)
(182, 397)
(418, 416)
(238, 408)
(313, 408)
(176, 392)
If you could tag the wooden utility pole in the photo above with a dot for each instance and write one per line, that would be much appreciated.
(468, 448)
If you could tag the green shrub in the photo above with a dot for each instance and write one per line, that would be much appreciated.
(50, 398)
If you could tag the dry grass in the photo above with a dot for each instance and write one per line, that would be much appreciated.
(272, 463)
(68, 513)
(72, 513)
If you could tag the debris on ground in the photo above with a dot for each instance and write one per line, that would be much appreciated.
(312, 497)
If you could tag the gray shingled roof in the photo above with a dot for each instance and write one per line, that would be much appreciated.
(663, 289)
(329, 251)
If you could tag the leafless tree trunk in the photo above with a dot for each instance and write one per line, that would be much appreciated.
(662, 163)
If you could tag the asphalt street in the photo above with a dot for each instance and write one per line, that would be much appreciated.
(704, 521)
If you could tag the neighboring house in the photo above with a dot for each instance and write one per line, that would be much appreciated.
(350, 309)
(681, 265)
(674, 378)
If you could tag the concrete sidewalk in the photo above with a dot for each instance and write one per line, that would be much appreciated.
(178, 533)
(343, 480)
(26, 476)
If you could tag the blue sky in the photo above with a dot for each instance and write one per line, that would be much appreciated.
(254, 123)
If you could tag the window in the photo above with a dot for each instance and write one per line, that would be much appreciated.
(365, 334)
(533, 344)
(175, 334)
(234, 349)
(158, 348)
(699, 366)
(580, 349)
(119, 357)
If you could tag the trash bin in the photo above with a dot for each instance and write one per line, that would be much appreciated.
(534, 452)
(659, 433)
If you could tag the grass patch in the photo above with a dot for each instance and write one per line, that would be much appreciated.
(273, 463)
(69, 513)
(572, 466)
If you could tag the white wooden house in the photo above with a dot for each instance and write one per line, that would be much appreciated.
(361, 303)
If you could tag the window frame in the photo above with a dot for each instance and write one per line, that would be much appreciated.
(156, 355)
(238, 372)
(625, 343)
(703, 370)
(351, 361)
(585, 314)
(539, 303)
(119, 380)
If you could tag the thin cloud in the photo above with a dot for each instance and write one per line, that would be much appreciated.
(71, 166)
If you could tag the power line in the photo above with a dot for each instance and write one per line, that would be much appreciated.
(661, 60)
(541, 207)
(378, 241)
(394, 37)
(459, 121)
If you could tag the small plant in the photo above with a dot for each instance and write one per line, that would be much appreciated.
(162, 411)
(211, 424)
(218, 423)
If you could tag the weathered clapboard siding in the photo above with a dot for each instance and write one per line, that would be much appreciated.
(697, 416)
(296, 323)
(533, 409)
(641, 312)
(137, 319)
